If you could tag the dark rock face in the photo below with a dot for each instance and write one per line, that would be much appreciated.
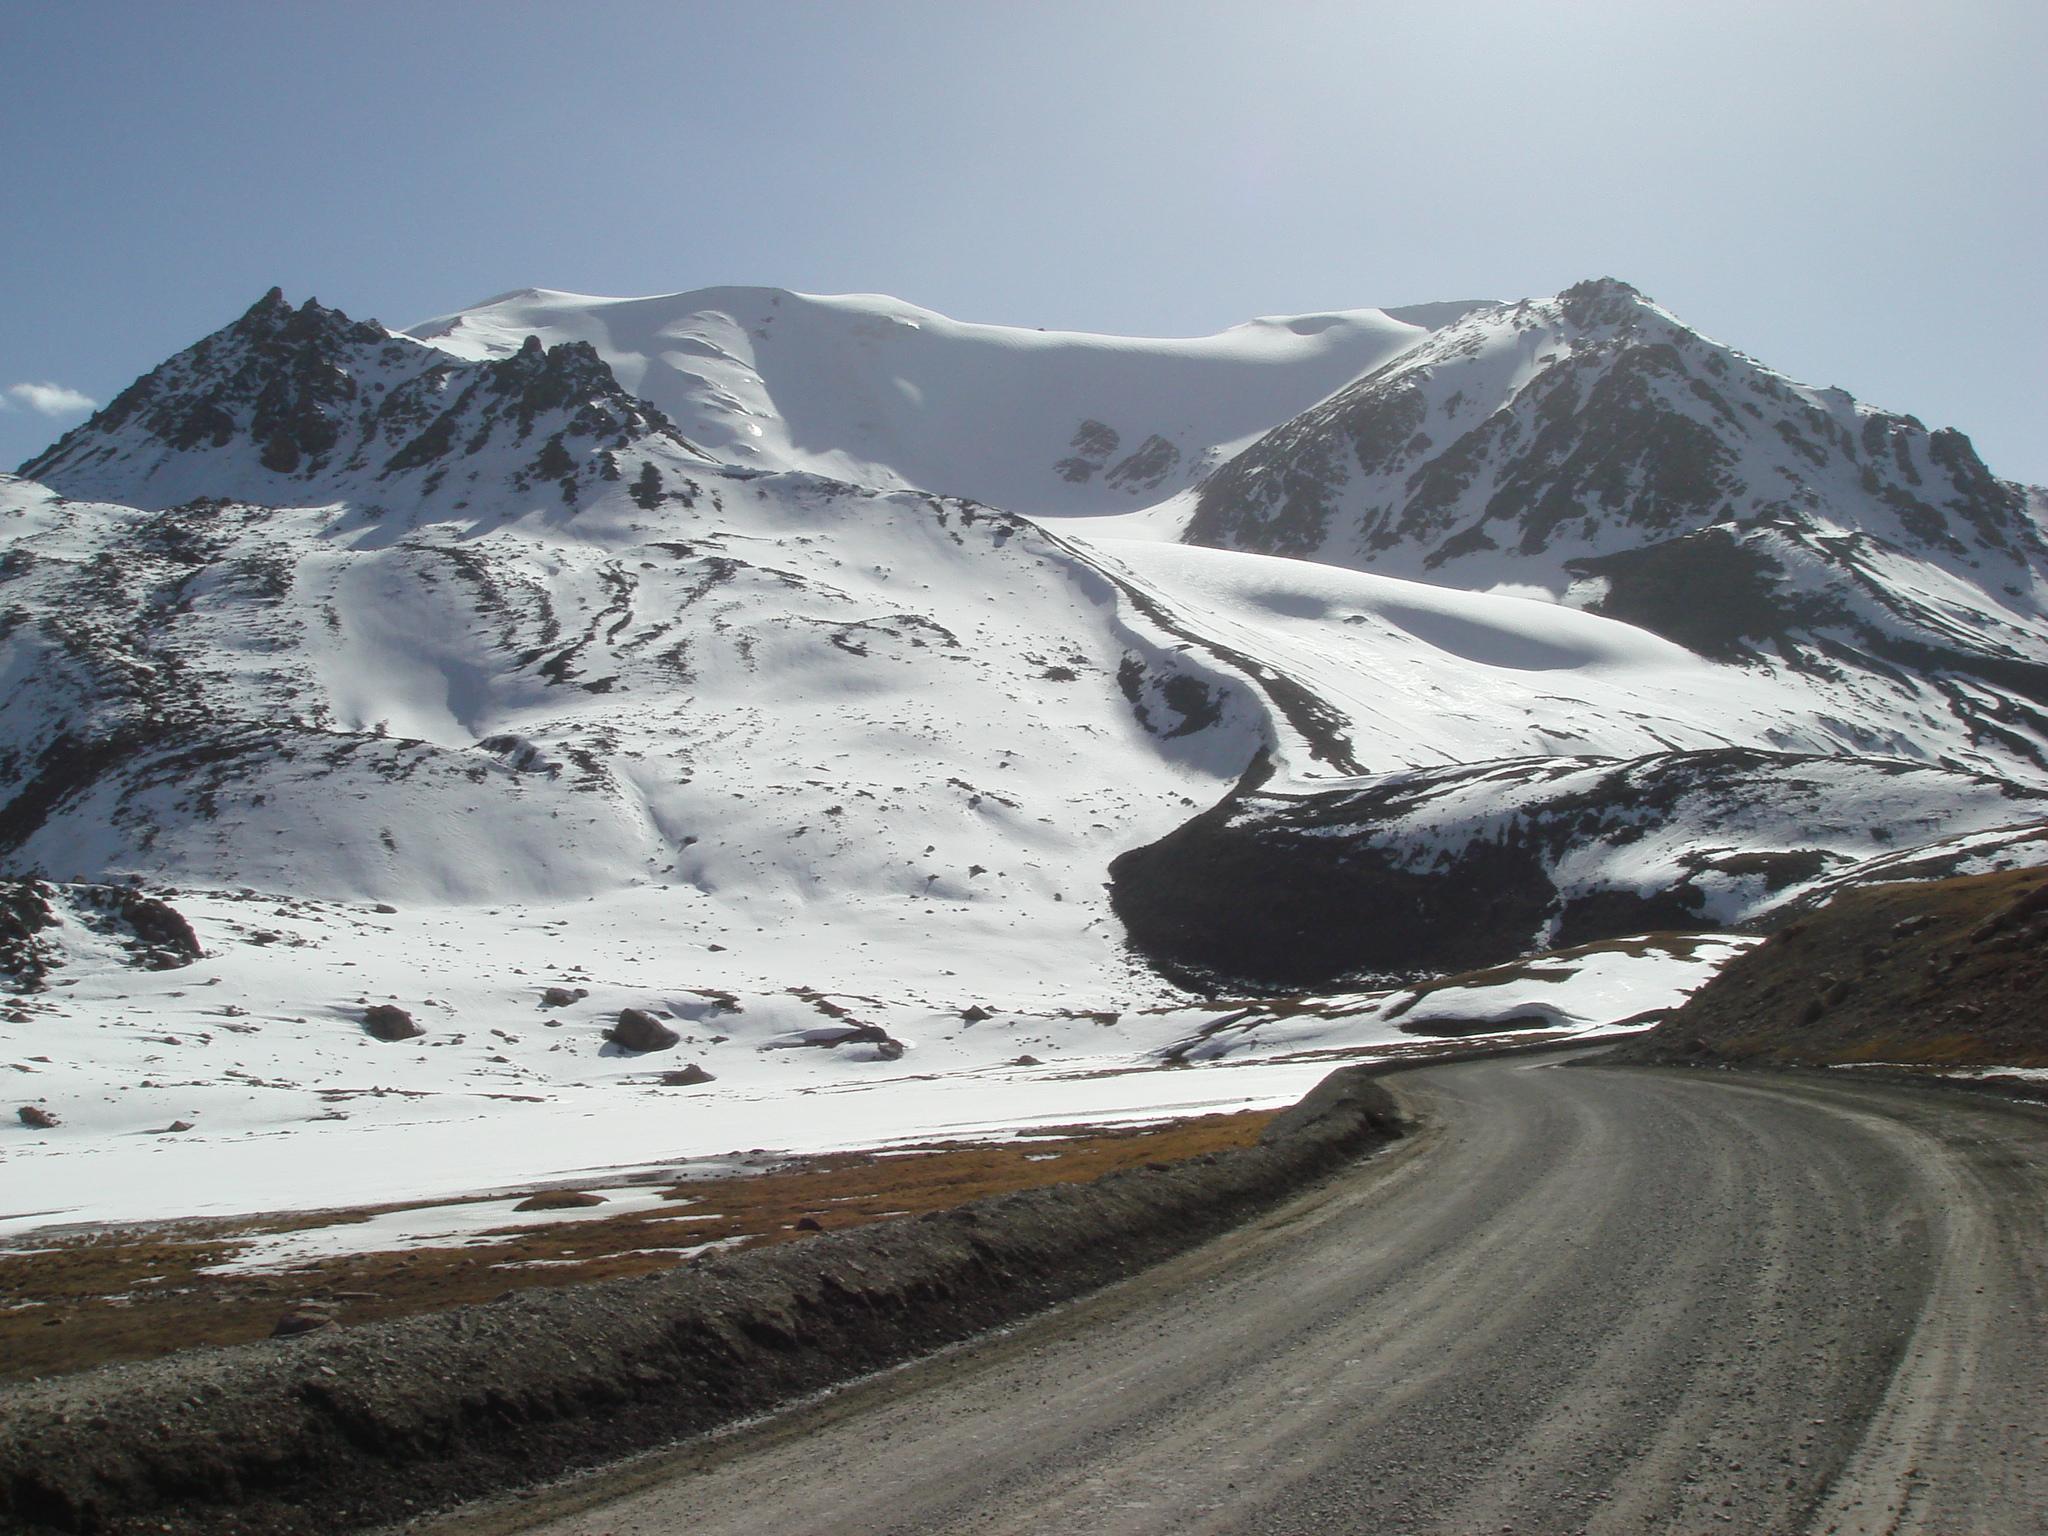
(1456, 868)
(639, 1030)
(560, 1200)
(387, 1021)
(307, 1317)
(163, 936)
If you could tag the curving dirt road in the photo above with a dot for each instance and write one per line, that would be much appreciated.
(1600, 1300)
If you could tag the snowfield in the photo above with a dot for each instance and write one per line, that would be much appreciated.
(700, 657)
(260, 1050)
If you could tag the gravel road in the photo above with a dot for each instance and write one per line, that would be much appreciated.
(1587, 1299)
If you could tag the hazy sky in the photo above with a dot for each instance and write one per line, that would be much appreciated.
(1857, 193)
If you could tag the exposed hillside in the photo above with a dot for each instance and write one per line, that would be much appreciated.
(1947, 973)
(1440, 869)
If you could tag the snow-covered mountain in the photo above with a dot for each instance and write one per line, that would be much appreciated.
(692, 654)
(881, 393)
(291, 404)
(1593, 446)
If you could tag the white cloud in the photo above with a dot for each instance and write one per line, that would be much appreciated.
(51, 399)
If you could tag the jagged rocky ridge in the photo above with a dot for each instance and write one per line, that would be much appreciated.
(286, 405)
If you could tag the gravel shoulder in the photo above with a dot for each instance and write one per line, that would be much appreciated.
(1602, 1299)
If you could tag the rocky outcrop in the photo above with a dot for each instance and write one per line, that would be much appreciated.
(153, 934)
(307, 400)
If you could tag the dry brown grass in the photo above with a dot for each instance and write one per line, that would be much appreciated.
(136, 1293)
(1938, 973)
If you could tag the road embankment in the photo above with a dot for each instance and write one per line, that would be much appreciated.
(370, 1425)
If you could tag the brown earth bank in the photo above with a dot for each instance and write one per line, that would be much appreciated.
(350, 1427)
(134, 1293)
(1927, 975)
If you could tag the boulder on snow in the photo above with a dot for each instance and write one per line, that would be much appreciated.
(34, 1118)
(559, 1200)
(562, 997)
(166, 939)
(639, 1030)
(388, 1021)
(686, 1077)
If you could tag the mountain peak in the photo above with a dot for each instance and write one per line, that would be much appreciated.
(284, 397)
(1602, 302)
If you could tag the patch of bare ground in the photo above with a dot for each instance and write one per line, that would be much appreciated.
(130, 1293)
(1928, 975)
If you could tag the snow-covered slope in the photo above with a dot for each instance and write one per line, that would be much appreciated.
(1594, 447)
(437, 679)
(880, 392)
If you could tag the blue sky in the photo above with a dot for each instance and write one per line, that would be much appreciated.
(1855, 193)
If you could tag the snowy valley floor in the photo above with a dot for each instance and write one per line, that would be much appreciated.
(320, 1163)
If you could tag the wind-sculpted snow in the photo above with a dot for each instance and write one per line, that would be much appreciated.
(877, 391)
(763, 691)
(1442, 869)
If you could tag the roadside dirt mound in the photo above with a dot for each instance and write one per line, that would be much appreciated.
(345, 1428)
(1942, 973)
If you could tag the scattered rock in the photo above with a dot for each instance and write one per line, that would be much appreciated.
(36, 1119)
(166, 940)
(639, 1030)
(687, 1077)
(385, 908)
(975, 1014)
(310, 1317)
(562, 997)
(559, 1200)
(1027, 1060)
(809, 1224)
(387, 1021)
